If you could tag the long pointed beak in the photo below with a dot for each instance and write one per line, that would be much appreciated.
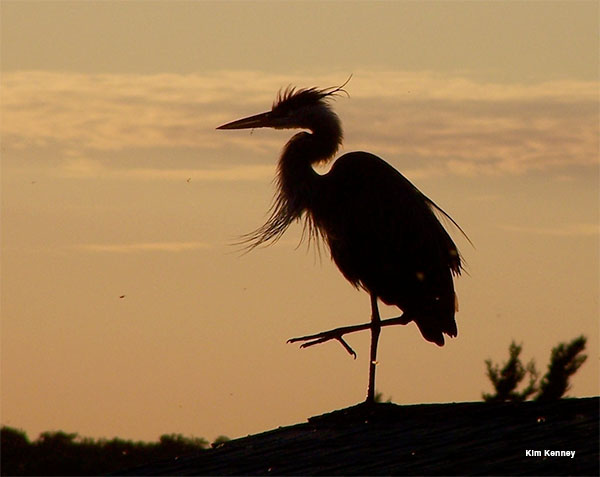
(262, 120)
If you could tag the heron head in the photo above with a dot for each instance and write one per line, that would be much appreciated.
(292, 109)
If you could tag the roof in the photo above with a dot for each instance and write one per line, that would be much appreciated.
(473, 438)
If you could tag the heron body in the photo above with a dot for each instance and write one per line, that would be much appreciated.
(385, 238)
(382, 232)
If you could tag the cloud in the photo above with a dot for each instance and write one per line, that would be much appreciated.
(564, 230)
(143, 247)
(86, 168)
(234, 173)
(417, 120)
(170, 247)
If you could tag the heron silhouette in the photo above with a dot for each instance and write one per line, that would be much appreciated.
(382, 232)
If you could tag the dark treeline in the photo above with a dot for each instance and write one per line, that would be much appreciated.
(60, 453)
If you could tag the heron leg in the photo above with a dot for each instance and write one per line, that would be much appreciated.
(338, 333)
(375, 331)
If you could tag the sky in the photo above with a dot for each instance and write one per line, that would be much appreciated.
(126, 308)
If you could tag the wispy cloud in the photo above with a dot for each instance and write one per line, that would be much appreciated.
(143, 247)
(566, 230)
(427, 122)
(83, 168)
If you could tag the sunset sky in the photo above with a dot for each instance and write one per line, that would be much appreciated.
(127, 311)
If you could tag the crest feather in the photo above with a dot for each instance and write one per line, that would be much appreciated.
(291, 98)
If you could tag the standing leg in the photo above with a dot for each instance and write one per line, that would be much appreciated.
(375, 330)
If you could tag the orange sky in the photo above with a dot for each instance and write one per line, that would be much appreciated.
(115, 182)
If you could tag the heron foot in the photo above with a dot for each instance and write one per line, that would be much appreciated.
(319, 338)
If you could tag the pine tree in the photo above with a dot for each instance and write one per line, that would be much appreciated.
(507, 379)
(565, 360)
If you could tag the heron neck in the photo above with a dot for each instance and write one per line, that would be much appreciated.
(297, 178)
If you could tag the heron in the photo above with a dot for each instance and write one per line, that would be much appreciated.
(383, 234)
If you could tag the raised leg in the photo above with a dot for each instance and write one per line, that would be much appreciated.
(338, 333)
(375, 331)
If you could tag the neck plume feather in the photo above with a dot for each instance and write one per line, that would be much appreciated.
(297, 180)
